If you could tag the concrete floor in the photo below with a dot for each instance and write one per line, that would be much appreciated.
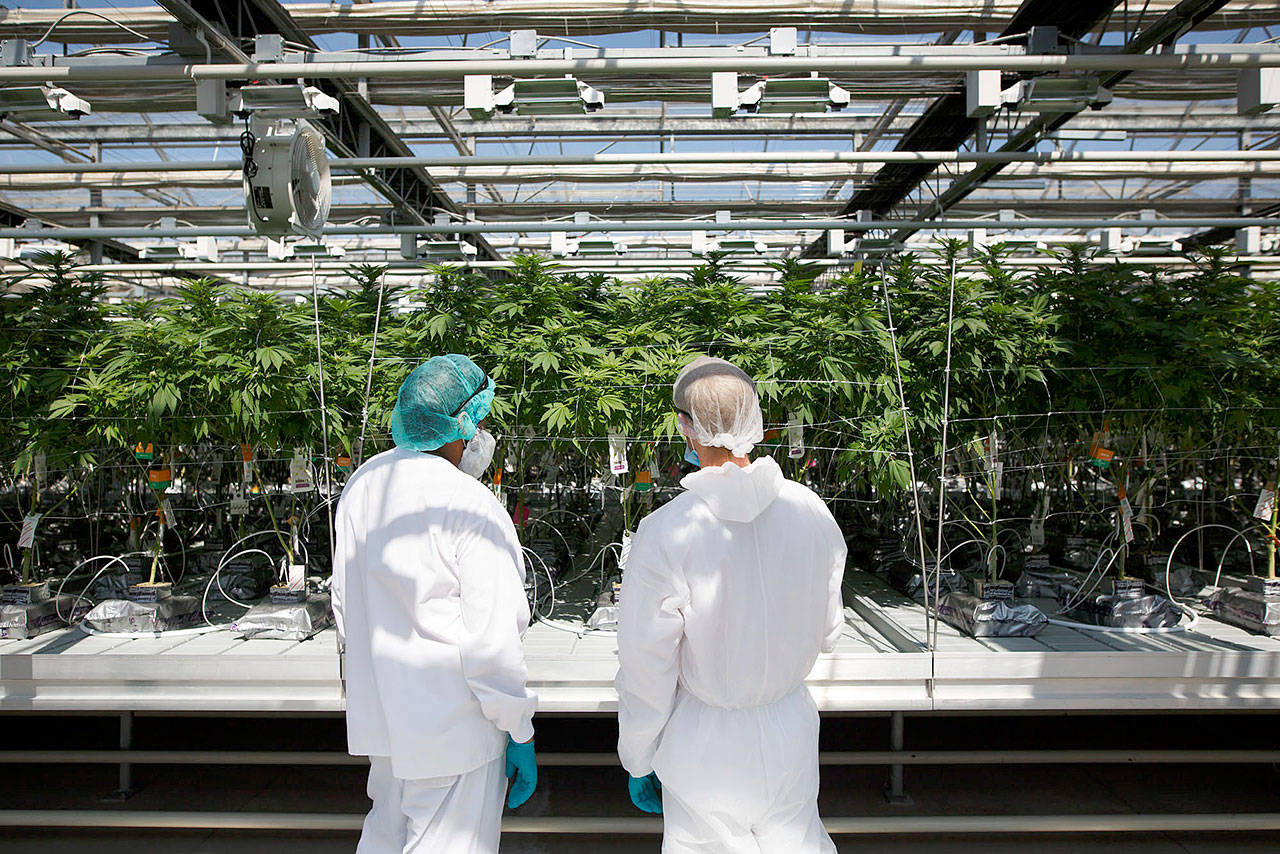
(847, 791)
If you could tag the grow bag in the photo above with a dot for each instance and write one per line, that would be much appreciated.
(36, 618)
(1246, 609)
(1059, 584)
(906, 578)
(286, 620)
(123, 615)
(1145, 612)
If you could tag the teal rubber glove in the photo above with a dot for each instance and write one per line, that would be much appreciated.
(522, 764)
(646, 793)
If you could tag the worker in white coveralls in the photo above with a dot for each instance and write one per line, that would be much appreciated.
(428, 591)
(730, 592)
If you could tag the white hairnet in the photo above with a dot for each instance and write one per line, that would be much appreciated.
(720, 406)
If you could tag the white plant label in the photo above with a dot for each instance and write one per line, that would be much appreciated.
(618, 454)
(795, 437)
(1126, 519)
(167, 509)
(239, 506)
(42, 468)
(27, 538)
(993, 450)
(300, 473)
(997, 480)
(1141, 498)
(295, 574)
(626, 552)
(1266, 505)
(1037, 522)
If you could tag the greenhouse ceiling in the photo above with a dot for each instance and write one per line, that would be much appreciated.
(631, 138)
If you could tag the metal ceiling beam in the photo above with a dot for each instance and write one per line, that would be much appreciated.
(946, 124)
(653, 67)
(358, 129)
(1165, 31)
(442, 117)
(1177, 206)
(12, 216)
(745, 127)
(519, 161)
(656, 225)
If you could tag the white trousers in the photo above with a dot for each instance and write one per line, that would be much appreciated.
(438, 815)
(741, 781)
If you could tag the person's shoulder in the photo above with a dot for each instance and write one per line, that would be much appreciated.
(796, 494)
(368, 470)
(472, 491)
(679, 510)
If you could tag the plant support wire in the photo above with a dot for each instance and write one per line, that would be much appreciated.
(932, 640)
(373, 355)
(324, 420)
(906, 431)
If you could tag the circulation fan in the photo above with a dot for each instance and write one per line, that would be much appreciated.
(287, 187)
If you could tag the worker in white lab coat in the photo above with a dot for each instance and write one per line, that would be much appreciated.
(428, 592)
(731, 591)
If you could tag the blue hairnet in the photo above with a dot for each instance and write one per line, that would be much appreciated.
(422, 419)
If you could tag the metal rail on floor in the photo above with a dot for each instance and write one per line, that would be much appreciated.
(869, 826)
(583, 760)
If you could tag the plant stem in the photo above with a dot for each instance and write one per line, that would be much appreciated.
(275, 526)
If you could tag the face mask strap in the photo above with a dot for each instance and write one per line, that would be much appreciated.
(484, 384)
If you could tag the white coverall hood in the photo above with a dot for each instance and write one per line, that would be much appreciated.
(735, 493)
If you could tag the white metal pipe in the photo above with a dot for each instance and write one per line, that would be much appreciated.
(852, 825)
(452, 17)
(536, 226)
(417, 69)
(352, 164)
(623, 264)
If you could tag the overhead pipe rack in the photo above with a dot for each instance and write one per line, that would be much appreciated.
(355, 164)
(656, 225)
(1198, 57)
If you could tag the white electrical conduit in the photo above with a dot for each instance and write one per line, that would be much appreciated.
(417, 69)
(957, 825)
(539, 226)
(591, 17)
(353, 164)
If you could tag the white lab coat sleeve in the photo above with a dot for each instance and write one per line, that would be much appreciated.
(650, 629)
(495, 615)
(835, 590)
(344, 552)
